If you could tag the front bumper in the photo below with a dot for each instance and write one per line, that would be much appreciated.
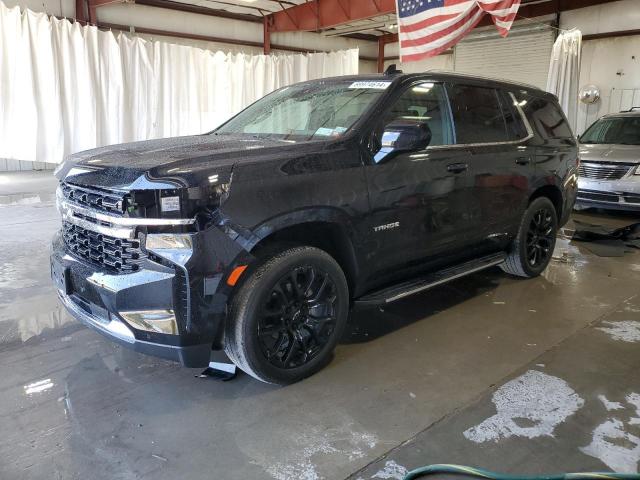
(623, 194)
(192, 290)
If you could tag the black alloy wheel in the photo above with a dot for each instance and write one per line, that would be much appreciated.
(297, 320)
(288, 314)
(531, 250)
(540, 237)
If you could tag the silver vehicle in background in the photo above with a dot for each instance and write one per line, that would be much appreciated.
(610, 163)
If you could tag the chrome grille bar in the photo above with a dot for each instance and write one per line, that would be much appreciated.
(604, 171)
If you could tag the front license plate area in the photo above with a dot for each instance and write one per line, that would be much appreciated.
(60, 277)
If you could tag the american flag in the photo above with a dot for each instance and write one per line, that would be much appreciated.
(429, 27)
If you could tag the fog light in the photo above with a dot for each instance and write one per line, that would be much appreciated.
(159, 321)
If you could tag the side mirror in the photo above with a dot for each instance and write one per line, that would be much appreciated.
(403, 136)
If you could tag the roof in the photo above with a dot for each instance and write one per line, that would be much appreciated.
(625, 113)
(438, 75)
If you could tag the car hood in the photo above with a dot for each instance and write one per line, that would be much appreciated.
(610, 153)
(174, 162)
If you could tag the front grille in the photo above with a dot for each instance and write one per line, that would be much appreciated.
(110, 201)
(112, 253)
(604, 171)
(598, 196)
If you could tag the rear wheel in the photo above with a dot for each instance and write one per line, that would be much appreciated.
(287, 317)
(532, 249)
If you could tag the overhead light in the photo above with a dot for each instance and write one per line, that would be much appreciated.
(423, 88)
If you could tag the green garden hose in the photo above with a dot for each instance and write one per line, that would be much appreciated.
(477, 472)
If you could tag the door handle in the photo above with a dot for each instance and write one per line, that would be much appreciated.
(523, 160)
(457, 167)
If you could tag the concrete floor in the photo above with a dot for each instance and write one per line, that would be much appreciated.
(519, 376)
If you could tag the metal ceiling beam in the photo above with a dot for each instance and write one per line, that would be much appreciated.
(550, 7)
(315, 15)
(207, 38)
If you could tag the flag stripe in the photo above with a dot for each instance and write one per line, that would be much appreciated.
(412, 57)
(470, 22)
(435, 35)
(435, 27)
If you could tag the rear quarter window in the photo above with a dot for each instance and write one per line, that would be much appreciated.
(545, 117)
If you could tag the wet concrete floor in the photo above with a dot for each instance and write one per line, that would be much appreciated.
(520, 376)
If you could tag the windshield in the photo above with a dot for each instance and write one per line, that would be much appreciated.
(306, 111)
(618, 130)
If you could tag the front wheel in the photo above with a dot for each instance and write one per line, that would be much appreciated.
(532, 248)
(288, 315)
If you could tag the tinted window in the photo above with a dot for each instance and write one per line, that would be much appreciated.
(545, 117)
(516, 129)
(477, 114)
(614, 130)
(424, 103)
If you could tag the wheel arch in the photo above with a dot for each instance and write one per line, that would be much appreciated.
(553, 193)
(327, 230)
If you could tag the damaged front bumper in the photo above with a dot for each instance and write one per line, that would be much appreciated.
(173, 306)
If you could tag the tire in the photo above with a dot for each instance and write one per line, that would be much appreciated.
(281, 334)
(533, 230)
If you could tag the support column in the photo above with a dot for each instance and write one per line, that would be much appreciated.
(266, 38)
(80, 15)
(381, 44)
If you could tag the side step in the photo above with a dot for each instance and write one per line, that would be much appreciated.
(401, 290)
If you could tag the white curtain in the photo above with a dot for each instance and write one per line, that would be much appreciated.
(564, 72)
(66, 88)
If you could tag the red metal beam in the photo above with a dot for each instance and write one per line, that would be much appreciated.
(185, 7)
(208, 38)
(322, 14)
(315, 15)
(266, 37)
(81, 16)
(383, 40)
(547, 8)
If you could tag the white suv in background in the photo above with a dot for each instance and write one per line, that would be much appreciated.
(609, 174)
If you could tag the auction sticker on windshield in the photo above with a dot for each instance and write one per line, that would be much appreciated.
(370, 84)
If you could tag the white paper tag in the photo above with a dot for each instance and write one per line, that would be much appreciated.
(170, 204)
(370, 84)
(325, 132)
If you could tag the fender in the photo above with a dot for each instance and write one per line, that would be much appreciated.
(331, 215)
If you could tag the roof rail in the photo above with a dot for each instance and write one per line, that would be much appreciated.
(392, 70)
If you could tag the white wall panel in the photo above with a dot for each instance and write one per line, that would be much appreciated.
(520, 57)
(609, 64)
(439, 62)
(609, 17)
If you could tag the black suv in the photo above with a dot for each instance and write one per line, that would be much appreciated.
(260, 236)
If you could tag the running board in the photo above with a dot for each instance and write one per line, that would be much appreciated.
(420, 284)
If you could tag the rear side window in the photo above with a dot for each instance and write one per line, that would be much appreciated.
(545, 117)
(477, 114)
(516, 129)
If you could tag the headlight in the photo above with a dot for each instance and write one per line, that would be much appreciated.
(637, 170)
(59, 199)
(177, 248)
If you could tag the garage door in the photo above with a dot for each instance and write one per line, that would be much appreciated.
(522, 56)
